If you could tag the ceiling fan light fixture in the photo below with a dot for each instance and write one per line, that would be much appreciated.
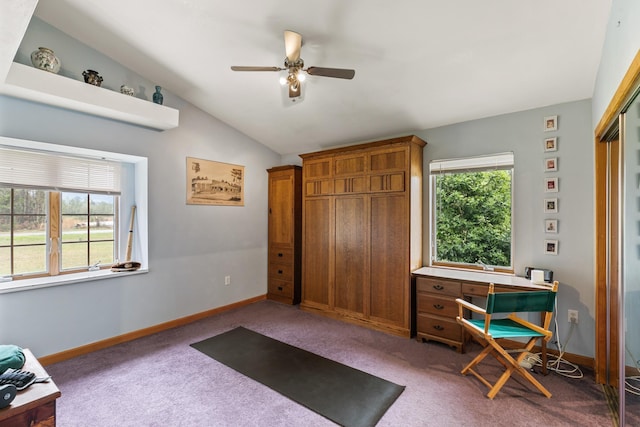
(294, 66)
(294, 82)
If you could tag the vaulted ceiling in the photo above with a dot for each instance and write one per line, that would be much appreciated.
(419, 63)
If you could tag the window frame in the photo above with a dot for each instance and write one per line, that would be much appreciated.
(134, 192)
(12, 246)
(53, 243)
(498, 161)
(115, 238)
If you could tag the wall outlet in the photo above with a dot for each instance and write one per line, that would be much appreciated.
(573, 316)
(227, 280)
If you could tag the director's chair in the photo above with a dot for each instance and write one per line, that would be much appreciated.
(487, 330)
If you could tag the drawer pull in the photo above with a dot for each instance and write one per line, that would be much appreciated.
(438, 306)
(279, 271)
(280, 288)
(280, 254)
(438, 287)
(438, 328)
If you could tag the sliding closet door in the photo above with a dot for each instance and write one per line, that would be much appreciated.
(617, 138)
(608, 196)
(629, 346)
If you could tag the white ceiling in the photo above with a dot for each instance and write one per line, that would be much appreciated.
(419, 63)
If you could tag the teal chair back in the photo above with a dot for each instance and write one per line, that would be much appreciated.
(510, 302)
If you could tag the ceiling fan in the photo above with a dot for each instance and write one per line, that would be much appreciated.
(294, 65)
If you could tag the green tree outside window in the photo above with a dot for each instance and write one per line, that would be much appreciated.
(473, 217)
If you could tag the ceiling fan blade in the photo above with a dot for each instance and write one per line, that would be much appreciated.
(292, 45)
(340, 73)
(242, 68)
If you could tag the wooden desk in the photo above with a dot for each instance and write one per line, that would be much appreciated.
(436, 293)
(34, 406)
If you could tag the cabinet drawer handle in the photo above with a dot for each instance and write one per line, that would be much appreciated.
(279, 271)
(279, 288)
(438, 287)
(438, 306)
(438, 328)
(280, 254)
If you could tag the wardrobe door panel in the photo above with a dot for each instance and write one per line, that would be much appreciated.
(350, 249)
(316, 255)
(389, 259)
(281, 196)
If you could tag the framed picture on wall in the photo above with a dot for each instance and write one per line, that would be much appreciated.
(550, 123)
(550, 205)
(551, 226)
(551, 247)
(214, 183)
(551, 164)
(551, 144)
(551, 185)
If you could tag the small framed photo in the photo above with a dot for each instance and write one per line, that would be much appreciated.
(551, 164)
(551, 144)
(551, 247)
(550, 205)
(551, 226)
(550, 123)
(551, 185)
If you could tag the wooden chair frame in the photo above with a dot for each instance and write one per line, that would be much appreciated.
(488, 340)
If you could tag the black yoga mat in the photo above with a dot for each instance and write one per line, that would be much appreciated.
(342, 394)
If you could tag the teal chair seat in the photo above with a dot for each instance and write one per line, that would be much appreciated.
(506, 328)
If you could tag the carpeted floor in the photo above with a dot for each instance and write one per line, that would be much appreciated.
(160, 380)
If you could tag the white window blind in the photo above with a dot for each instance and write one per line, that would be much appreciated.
(494, 161)
(60, 172)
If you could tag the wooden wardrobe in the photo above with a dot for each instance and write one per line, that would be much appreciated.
(362, 232)
(285, 222)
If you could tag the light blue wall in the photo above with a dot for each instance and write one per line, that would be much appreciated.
(192, 248)
(522, 133)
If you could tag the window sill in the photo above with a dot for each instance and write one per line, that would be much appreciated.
(65, 279)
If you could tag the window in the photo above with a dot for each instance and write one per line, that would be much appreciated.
(23, 237)
(87, 236)
(471, 212)
(28, 229)
(60, 210)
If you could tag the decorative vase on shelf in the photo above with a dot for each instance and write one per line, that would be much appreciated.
(44, 59)
(157, 96)
(92, 77)
(127, 90)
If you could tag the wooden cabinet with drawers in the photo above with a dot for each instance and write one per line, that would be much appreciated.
(436, 311)
(285, 221)
(362, 236)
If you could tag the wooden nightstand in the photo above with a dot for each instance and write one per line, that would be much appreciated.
(34, 406)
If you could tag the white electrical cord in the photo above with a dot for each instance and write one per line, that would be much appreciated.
(558, 365)
(629, 387)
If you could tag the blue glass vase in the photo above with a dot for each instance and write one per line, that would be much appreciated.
(157, 96)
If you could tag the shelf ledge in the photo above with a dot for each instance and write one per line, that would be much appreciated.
(51, 89)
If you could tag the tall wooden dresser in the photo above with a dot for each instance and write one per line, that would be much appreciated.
(285, 237)
(362, 232)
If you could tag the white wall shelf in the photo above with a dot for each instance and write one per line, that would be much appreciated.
(36, 85)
